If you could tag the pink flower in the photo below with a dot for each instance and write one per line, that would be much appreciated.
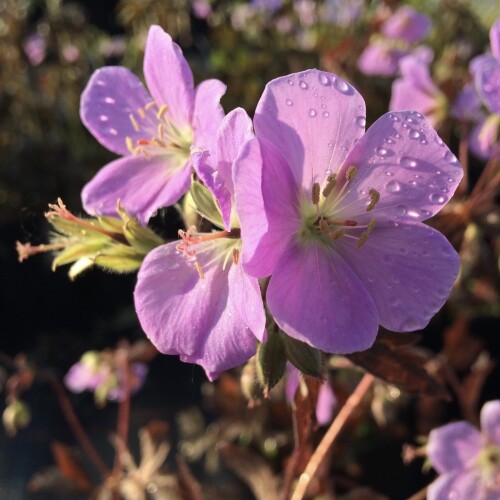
(467, 459)
(194, 298)
(334, 215)
(406, 24)
(153, 133)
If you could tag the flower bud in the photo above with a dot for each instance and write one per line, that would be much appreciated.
(16, 416)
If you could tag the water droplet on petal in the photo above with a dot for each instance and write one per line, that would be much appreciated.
(361, 121)
(289, 102)
(439, 141)
(290, 81)
(341, 86)
(393, 117)
(312, 113)
(389, 140)
(113, 131)
(109, 100)
(414, 134)
(326, 114)
(103, 118)
(303, 85)
(393, 187)
(401, 210)
(438, 198)
(450, 158)
(407, 162)
(323, 79)
(330, 145)
(382, 151)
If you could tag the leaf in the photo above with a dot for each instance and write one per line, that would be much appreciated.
(253, 470)
(305, 358)
(401, 364)
(271, 360)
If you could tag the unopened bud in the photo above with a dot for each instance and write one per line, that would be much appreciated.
(16, 416)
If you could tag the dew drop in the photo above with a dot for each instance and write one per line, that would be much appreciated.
(439, 141)
(382, 151)
(113, 131)
(438, 198)
(101, 83)
(109, 100)
(393, 187)
(389, 174)
(389, 140)
(330, 145)
(103, 118)
(312, 113)
(361, 121)
(409, 119)
(290, 81)
(341, 86)
(408, 162)
(414, 134)
(323, 106)
(393, 117)
(323, 79)
(401, 210)
(326, 114)
(303, 85)
(289, 102)
(450, 158)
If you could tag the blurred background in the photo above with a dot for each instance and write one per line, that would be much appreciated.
(49, 49)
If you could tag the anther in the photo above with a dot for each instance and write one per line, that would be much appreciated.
(337, 234)
(374, 199)
(134, 122)
(323, 226)
(315, 193)
(352, 171)
(331, 182)
(236, 256)
(364, 235)
(141, 113)
(161, 111)
(149, 105)
(130, 145)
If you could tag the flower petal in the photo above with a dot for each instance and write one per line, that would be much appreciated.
(325, 405)
(453, 447)
(198, 319)
(110, 97)
(169, 76)
(267, 205)
(408, 270)
(461, 485)
(208, 113)
(490, 421)
(313, 118)
(316, 298)
(402, 157)
(142, 185)
(487, 82)
(406, 24)
(495, 39)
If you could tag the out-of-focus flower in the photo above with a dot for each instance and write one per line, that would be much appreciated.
(468, 460)
(70, 53)
(381, 57)
(406, 24)
(333, 214)
(193, 298)
(267, 5)
(467, 105)
(342, 12)
(35, 47)
(416, 90)
(306, 12)
(326, 398)
(153, 132)
(99, 372)
(16, 416)
(113, 47)
(201, 8)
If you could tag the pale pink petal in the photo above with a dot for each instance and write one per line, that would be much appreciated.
(487, 81)
(461, 485)
(402, 157)
(483, 138)
(110, 97)
(313, 118)
(490, 421)
(315, 297)
(141, 185)
(408, 270)
(406, 24)
(267, 204)
(168, 76)
(197, 319)
(453, 447)
(326, 404)
(208, 113)
(380, 58)
(495, 39)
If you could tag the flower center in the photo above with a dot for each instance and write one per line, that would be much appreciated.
(489, 464)
(218, 247)
(326, 218)
(161, 135)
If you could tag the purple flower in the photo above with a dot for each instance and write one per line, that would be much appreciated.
(153, 133)
(484, 137)
(416, 90)
(334, 214)
(406, 24)
(467, 106)
(486, 72)
(194, 298)
(380, 58)
(467, 459)
(35, 48)
(326, 398)
(267, 5)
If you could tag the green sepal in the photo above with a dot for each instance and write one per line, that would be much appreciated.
(305, 358)
(78, 251)
(119, 258)
(271, 360)
(79, 266)
(141, 238)
(205, 204)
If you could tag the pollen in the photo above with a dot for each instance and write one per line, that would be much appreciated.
(366, 233)
(315, 193)
(352, 171)
(374, 199)
(331, 182)
(236, 256)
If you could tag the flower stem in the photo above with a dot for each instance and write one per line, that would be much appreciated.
(322, 451)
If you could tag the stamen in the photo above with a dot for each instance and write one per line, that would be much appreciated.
(236, 256)
(130, 145)
(149, 105)
(161, 111)
(315, 193)
(25, 250)
(199, 269)
(134, 122)
(337, 234)
(141, 113)
(364, 235)
(375, 198)
(352, 171)
(323, 226)
(331, 182)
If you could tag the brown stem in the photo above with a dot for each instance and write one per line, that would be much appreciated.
(463, 187)
(321, 452)
(419, 495)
